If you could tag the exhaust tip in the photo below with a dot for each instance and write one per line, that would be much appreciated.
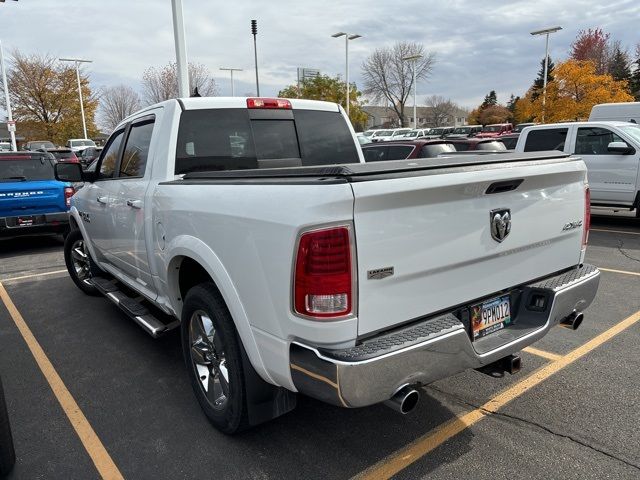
(573, 321)
(404, 400)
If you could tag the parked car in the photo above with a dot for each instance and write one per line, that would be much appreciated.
(611, 151)
(495, 130)
(378, 134)
(414, 134)
(466, 144)
(465, 131)
(362, 138)
(7, 452)
(253, 256)
(79, 144)
(62, 154)
(401, 150)
(619, 112)
(439, 132)
(38, 145)
(369, 133)
(31, 199)
(509, 140)
(5, 147)
(89, 154)
(521, 126)
(390, 135)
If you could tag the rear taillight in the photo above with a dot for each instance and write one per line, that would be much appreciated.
(587, 216)
(276, 103)
(68, 193)
(323, 284)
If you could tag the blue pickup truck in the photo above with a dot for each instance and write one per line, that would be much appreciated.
(32, 201)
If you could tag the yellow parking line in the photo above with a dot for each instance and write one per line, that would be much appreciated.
(23, 277)
(542, 353)
(92, 444)
(618, 271)
(404, 457)
(613, 231)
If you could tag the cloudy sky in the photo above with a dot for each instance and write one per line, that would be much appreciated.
(480, 46)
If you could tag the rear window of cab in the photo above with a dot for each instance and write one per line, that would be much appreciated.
(235, 139)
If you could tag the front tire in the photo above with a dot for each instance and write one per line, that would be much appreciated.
(212, 354)
(79, 263)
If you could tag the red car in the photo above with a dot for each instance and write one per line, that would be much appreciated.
(467, 144)
(495, 130)
(401, 150)
(63, 155)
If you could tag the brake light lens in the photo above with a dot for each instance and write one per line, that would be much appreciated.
(323, 285)
(587, 216)
(68, 193)
(269, 103)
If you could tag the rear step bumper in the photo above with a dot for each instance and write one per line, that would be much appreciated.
(436, 348)
(132, 307)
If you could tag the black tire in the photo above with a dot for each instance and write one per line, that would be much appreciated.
(7, 453)
(229, 415)
(79, 274)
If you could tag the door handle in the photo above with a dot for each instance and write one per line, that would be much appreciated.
(103, 199)
(134, 203)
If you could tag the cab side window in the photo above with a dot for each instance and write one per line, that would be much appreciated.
(546, 139)
(595, 140)
(110, 155)
(136, 150)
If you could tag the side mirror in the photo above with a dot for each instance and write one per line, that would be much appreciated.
(620, 147)
(68, 172)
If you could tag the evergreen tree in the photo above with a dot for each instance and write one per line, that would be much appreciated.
(538, 83)
(620, 63)
(634, 82)
(511, 104)
(490, 100)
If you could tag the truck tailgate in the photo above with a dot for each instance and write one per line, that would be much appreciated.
(31, 198)
(434, 230)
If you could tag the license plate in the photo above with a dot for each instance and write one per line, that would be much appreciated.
(25, 221)
(490, 316)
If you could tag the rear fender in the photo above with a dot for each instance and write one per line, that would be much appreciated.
(188, 246)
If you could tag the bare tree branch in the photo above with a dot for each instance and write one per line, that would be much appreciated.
(441, 111)
(388, 77)
(160, 84)
(117, 103)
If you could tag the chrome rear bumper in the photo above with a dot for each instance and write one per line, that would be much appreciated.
(436, 348)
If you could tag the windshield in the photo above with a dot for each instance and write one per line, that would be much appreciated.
(461, 130)
(40, 145)
(401, 132)
(633, 131)
(232, 139)
(491, 146)
(437, 131)
(492, 128)
(411, 134)
(63, 155)
(25, 168)
(368, 133)
(384, 133)
(82, 143)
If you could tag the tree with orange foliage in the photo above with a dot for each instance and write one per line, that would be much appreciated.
(575, 89)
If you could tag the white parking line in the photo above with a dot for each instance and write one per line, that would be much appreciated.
(34, 275)
(613, 231)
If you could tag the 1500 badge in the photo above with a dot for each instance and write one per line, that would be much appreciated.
(572, 225)
(85, 217)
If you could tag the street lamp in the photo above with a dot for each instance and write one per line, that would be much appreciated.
(10, 124)
(347, 37)
(182, 69)
(415, 110)
(78, 61)
(546, 32)
(231, 70)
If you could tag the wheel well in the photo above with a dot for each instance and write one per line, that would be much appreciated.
(190, 274)
(72, 223)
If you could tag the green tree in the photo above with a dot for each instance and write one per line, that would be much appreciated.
(619, 66)
(490, 100)
(329, 89)
(538, 83)
(634, 82)
(44, 99)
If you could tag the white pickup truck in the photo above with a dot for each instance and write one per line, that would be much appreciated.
(611, 151)
(290, 265)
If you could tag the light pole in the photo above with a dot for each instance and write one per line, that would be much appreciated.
(231, 70)
(11, 129)
(415, 109)
(78, 61)
(347, 37)
(181, 49)
(254, 32)
(546, 32)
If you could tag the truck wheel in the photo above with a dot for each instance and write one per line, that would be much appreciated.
(212, 353)
(79, 262)
(7, 453)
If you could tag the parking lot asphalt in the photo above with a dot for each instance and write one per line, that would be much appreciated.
(572, 412)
